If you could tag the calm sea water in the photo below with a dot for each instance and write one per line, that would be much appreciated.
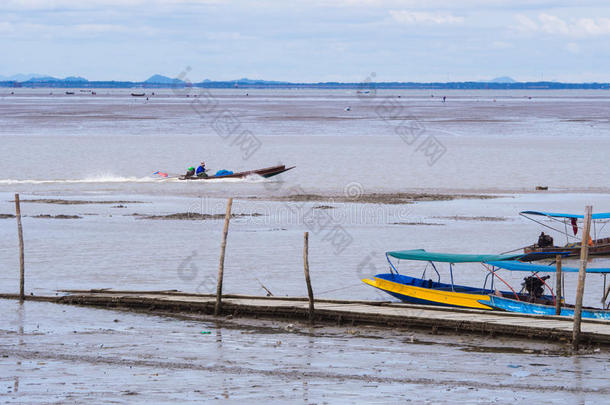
(476, 140)
(106, 147)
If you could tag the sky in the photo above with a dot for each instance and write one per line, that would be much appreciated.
(308, 41)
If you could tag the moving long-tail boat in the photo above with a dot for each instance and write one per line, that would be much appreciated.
(225, 174)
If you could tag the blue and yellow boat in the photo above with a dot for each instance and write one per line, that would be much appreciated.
(428, 292)
(544, 304)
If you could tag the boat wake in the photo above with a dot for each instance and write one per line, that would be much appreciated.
(121, 179)
(96, 179)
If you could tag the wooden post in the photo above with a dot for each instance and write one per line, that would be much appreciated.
(558, 293)
(307, 279)
(221, 265)
(606, 296)
(582, 272)
(21, 254)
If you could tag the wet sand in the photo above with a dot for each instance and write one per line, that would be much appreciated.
(190, 216)
(131, 357)
(376, 198)
(497, 152)
(76, 202)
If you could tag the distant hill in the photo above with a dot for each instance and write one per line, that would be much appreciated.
(245, 80)
(503, 79)
(43, 79)
(75, 79)
(160, 79)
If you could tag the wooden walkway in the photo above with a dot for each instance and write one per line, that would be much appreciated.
(453, 320)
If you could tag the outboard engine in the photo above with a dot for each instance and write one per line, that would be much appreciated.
(534, 286)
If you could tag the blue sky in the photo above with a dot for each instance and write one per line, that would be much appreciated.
(309, 41)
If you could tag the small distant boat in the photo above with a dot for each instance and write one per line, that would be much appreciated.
(69, 93)
(266, 173)
(568, 225)
(138, 94)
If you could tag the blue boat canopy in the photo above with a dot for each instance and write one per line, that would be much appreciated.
(519, 266)
(422, 255)
(601, 215)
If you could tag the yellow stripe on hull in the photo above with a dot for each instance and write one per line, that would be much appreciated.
(456, 299)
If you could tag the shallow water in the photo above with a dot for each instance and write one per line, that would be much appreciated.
(105, 148)
(477, 140)
(122, 357)
(110, 247)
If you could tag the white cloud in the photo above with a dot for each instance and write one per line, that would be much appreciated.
(572, 47)
(420, 17)
(554, 25)
(90, 4)
(6, 28)
(501, 45)
(49, 31)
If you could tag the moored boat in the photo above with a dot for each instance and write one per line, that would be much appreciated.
(421, 290)
(545, 247)
(537, 303)
(524, 307)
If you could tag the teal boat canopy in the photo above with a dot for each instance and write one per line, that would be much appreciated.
(519, 266)
(601, 215)
(422, 255)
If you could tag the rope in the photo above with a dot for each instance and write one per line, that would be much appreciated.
(514, 250)
(342, 288)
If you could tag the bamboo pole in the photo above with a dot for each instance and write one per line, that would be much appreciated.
(21, 252)
(221, 265)
(558, 292)
(582, 272)
(307, 278)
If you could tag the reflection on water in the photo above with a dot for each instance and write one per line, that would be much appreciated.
(156, 358)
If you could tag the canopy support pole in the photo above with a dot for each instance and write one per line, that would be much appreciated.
(437, 273)
(558, 286)
(606, 294)
(451, 272)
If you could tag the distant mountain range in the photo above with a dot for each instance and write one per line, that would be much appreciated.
(160, 81)
(503, 79)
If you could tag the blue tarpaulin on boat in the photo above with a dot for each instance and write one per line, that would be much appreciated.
(601, 215)
(519, 266)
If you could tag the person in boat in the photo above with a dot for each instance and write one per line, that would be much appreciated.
(190, 172)
(545, 240)
(201, 170)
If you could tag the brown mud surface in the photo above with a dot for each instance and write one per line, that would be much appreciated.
(76, 202)
(379, 198)
(192, 216)
(417, 223)
(479, 218)
(61, 216)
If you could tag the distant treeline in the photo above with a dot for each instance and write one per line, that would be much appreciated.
(364, 87)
